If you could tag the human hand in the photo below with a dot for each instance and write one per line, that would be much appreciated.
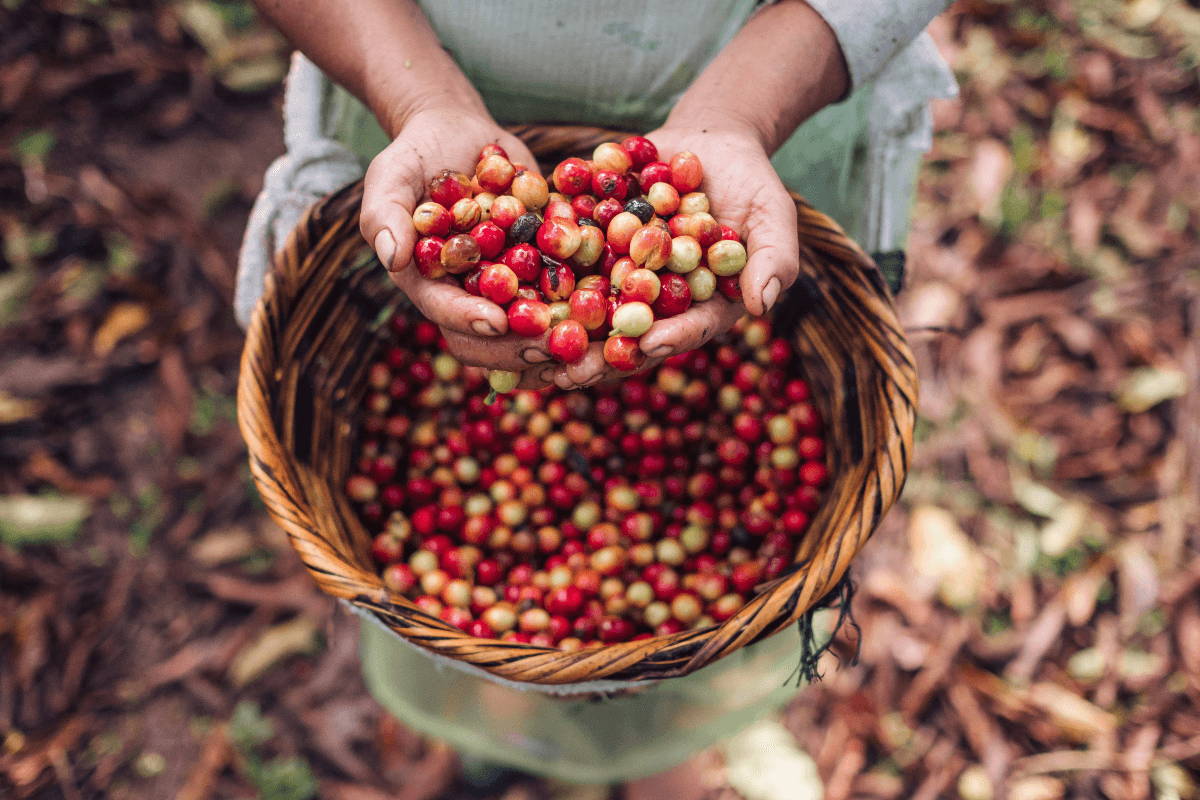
(429, 141)
(746, 194)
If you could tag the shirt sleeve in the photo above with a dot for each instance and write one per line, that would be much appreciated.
(872, 32)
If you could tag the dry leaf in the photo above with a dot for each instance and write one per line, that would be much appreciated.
(16, 409)
(763, 763)
(1146, 387)
(941, 551)
(274, 644)
(1078, 718)
(124, 319)
(223, 545)
(1036, 787)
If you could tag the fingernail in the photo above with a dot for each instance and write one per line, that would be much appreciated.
(484, 328)
(659, 352)
(385, 248)
(534, 355)
(563, 381)
(770, 294)
(546, 375)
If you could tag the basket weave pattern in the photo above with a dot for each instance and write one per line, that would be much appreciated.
(303, 375)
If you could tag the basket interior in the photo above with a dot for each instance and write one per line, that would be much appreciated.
(304, 371)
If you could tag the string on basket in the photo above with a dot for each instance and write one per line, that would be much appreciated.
(840, 597)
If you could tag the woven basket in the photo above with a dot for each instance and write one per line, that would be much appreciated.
(303, 375)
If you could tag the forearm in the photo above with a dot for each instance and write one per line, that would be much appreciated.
(781, 68)
(383, 51)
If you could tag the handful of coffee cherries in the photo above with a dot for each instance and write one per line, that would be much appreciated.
(624, 239)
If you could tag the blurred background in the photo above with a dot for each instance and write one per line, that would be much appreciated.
(1030, 615)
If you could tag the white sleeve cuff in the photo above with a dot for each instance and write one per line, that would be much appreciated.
(872, 32)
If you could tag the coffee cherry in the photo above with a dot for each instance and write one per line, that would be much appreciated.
(685, 254)
(572, 176)
(813, 473)
(495, 174)
(640, 149)
(524, 260)
(686, 608)
(583, 205)
(650, 247)
(498, 283)
(399, 578)
(490, 149)
(663, 198)
(556, 281)
(609, 184)
(632, 319)
(745, 576)
(428, 255)
(587, 306)
(702, 283)
(726, 258)
(568, 341)
(621, 231)
(729, 286)
(640, 208)
(675, 297)
(591, 246)
(490, 239)
(670, 551)
(558, 238)
(534, 620)
(500, 617)
(361, 489)
(448, 187)
(693, 202)
(620, 271)
(622, 353)
(611, 156)
(505, 211)
(459, 254)
(606, 210)
(655, 172)
(531, 189)
(640, 285)
(566, 600)
(781, 429)
(614, 629)
(432, 219)
(503, 381)
(686, 172)
(702, 227)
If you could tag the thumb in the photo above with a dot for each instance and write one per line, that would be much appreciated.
(389, 196)
(773, 252)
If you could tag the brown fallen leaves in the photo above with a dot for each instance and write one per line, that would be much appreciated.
(1030, 619)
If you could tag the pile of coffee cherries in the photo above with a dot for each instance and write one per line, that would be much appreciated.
(576, 519)
(625, 239)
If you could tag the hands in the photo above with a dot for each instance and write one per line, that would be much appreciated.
(747, 195)
(431, 140)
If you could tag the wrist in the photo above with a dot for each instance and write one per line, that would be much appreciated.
(714, 119)
(395, 105)
(743, 90)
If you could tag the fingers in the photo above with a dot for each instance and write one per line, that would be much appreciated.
(450, 307)
(690, 329)
(592, 370)
(516, 353)
(538, 377)
(588, 371)
(773, 250)
(390, 191)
